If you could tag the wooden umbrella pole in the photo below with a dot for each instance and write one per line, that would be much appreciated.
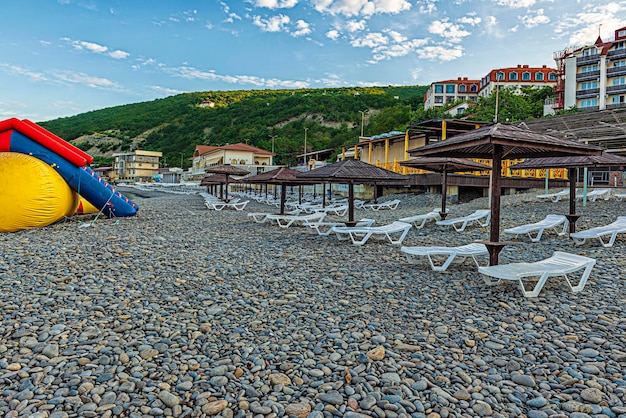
(444, 191)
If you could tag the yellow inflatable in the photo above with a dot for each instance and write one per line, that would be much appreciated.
(84, 207)
(33, 193)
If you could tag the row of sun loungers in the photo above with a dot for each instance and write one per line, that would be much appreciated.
(592, 195)
(440, 258)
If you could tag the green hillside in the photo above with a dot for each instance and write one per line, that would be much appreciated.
(177, 124)
(332, 118)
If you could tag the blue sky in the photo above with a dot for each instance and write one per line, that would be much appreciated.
(65, 57)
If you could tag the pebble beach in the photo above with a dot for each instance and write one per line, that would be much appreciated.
(185, 312)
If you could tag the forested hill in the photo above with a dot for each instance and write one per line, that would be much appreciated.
(174, 125)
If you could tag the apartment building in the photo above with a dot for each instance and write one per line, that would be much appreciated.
(443, 93)
(593, 77)
(136, 165)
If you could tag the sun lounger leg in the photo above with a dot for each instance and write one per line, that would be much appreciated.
(583, 280)
(535, 292)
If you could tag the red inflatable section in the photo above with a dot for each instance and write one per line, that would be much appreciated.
(47, 139)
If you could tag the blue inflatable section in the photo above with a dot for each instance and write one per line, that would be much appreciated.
(82, 180)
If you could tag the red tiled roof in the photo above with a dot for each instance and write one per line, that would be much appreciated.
(203, 149)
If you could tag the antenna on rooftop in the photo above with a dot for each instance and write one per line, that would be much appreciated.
(600, 25)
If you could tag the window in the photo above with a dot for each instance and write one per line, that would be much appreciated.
(539, 76)
(473, 88)
(450, 88)
(588, 103)
(589, 68)
(460, 111)
(461, 98)
(526, 76)
(621, 63)
(552, 76)
(619, 81)
(621, 33)
(618, 99)
(513, 76)
(233, 161)
(590, 51)
(499, 76)
(589, 85)
(438, 88)
(242, 162)
(449, 99)
(619, 45)
(462, 88)
(438, 99)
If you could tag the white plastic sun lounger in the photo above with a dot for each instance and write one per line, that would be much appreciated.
(559, 265)
(550, 222)
(326, 228)
(285, 221)
(620, 196)
(435, 253)
(555, 197)
(465, 220)
(391, 204)
(360, 235)
(611, 230)
(261, 217)
(339, 210)
(594, 194)
(419, 221)
(239, 206)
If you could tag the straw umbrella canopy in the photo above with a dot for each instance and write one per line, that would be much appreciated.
(228, 170)
(444, 165)
(284, 176)
(353, 172)
(571, 163)
(501, 142)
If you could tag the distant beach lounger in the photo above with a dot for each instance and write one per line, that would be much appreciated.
(559, 265)
(611, 230)
(436, 253)
(555, 197)
(239, 206)
(593, 195)
(262, 217)
(550, 222)
(326, 228)
(620, 196)
(285, 221)
(459, 224)
(419, 221)
(360, 235)
(391, 204)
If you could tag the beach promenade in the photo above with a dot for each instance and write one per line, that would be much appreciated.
(185, 312)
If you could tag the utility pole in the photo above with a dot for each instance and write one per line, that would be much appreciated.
(273, 136)
(362, 112)
(305, 165)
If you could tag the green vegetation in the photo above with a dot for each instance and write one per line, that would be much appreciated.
(332, 118)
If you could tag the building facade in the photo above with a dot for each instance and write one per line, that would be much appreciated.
(256, 160)
(136, 165)
(444, 93)
(593, 77)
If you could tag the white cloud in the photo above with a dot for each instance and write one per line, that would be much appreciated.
(360, 7)
(582, 28)
(396, 36)
(191, 73)
(441, 53)
(451, 31)
(371, 40)
(166, 91)
(537, 18)
(332, 34)
(427, 6)
(87, 80)
(17, 70)
(470, 20)
(273, 24)
(355, 25)
(275, 4)
(518, 4)
(96, 48)
(302, 28)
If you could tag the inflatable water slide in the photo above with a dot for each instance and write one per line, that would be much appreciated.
(44, 179)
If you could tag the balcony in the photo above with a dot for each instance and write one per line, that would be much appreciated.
(588, 59)
(616, 54)
(615, 105)
(616, 71)
(619, 89)
(589, 75)
(587, 94)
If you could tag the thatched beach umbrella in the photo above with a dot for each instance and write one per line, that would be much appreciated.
(444, 165)
(228, 170)
(571, 163)
(353, 172)
(499, 142)
(284, 176)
